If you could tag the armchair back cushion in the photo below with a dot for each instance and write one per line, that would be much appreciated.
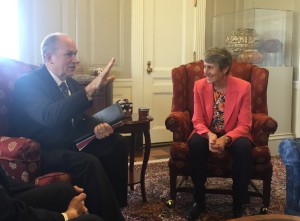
(10, 70)
(19, 156)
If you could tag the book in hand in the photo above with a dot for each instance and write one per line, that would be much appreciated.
(113, 115)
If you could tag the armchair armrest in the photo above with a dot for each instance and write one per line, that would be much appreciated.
(20, 157)
(262, 126)
(180, 124)
(52, 177)
(19, 148)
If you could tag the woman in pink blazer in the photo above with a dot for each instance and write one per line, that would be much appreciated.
(222, 122)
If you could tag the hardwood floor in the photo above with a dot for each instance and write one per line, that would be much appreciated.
(158, 152)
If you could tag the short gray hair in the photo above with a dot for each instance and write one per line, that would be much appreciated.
(49, 43)
(219, 56)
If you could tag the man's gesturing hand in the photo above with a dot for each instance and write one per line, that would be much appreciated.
(101, 80)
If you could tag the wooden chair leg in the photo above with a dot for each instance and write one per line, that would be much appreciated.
(173, 185)
(267, 191)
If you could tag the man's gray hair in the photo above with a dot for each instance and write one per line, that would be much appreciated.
(49, 44)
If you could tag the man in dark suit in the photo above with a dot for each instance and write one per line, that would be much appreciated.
(54, 202)
(42, 112)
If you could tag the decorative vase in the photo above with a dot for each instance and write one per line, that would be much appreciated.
(126, 106)
(242, 39)
(251, 56)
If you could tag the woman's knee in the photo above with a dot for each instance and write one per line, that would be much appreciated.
(197, 144)
(242, 146)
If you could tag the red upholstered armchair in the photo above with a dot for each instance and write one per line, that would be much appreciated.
(179, 122)
(20, 157)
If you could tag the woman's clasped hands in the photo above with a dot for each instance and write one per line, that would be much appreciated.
(216, 145)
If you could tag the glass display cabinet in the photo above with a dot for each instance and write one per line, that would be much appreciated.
(263, 37)
(259, 36)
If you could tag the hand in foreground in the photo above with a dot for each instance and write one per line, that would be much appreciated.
(76, 206)
(103, 130)
(78, 189)
(101, 80)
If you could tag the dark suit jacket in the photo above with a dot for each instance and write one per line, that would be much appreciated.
(15, 210)
(41, 112)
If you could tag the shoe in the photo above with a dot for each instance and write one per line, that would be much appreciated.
(195, 211)
(240, 211)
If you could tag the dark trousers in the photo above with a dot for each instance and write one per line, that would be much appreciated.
(242, 160)
(53, 197)
(114, 159)
(101, 169)
(87, 217)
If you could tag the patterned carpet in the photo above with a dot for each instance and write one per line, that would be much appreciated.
(219, 206)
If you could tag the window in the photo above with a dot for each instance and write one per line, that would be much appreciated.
(9, 23)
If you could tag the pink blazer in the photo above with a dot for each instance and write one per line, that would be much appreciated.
(237, 112)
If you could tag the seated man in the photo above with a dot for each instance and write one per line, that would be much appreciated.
(21, 202)
(42, 112)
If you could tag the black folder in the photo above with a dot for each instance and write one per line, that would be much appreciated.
(112, 115)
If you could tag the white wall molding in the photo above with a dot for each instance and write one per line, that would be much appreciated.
(137, 51)
(200, 22)
(122, 88)
(296, 108)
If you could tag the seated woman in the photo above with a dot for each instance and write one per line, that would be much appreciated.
(222, 121)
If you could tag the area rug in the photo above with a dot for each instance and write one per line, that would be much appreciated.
(219, 206)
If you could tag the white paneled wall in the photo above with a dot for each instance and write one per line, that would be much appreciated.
(100, 28)
(103, 29)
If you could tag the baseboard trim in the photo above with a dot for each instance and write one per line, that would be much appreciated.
(152, 161)
(164, 144)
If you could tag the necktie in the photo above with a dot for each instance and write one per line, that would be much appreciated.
(64, 89)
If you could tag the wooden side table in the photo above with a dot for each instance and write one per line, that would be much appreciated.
(135, 125)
